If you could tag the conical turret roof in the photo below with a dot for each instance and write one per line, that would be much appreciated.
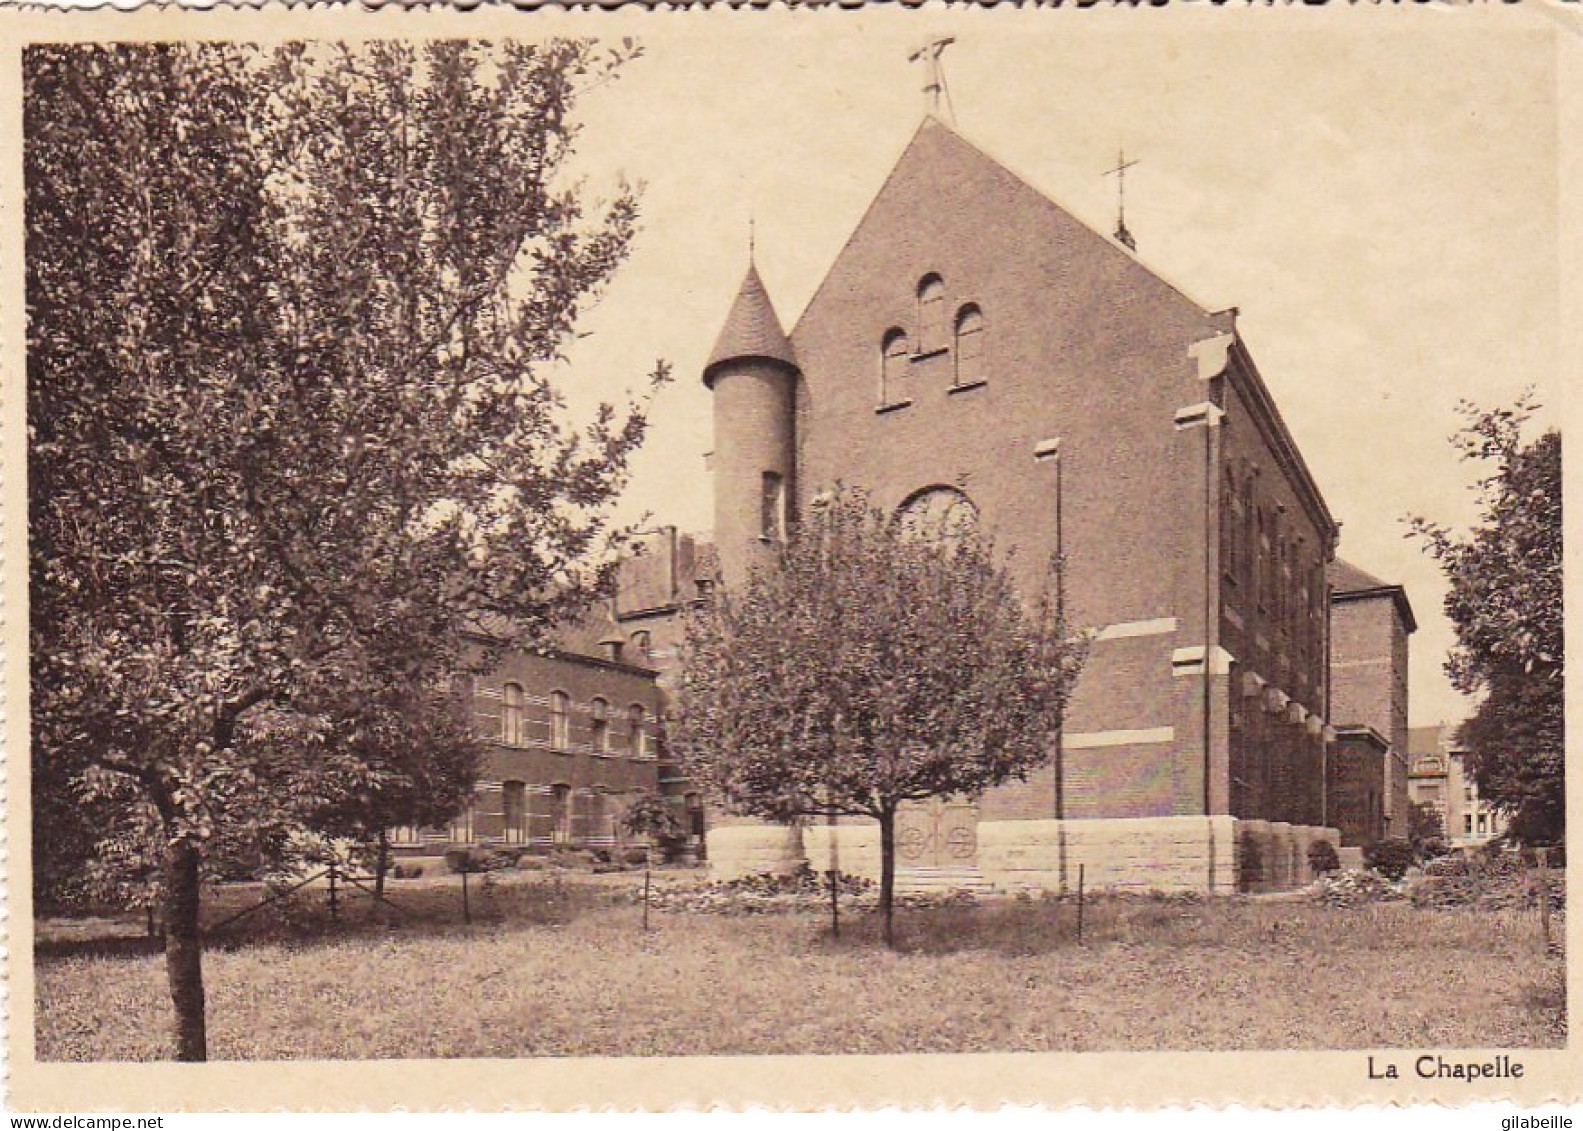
(752, 330)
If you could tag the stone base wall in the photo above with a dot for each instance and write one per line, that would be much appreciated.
(856, 847)
(1218, 854)
(748, 849)
(1121, 854)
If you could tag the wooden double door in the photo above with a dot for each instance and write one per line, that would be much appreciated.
(937, 834)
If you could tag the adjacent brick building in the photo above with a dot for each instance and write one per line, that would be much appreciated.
(1367, 777)
(976, 354)
(572, 738)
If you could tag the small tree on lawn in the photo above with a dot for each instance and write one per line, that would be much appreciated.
(1425, 828)
(871, 666)
(652, 817)
(1505, 605)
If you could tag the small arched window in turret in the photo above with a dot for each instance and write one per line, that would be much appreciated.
(894, 358)
(931, 315)
(969, 346)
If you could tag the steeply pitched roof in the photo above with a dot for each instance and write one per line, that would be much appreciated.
(1349, 583)
(942, 174)
(583, 639)
(1348, 578)
(1435, 738)
(752, 330)
(938, 155)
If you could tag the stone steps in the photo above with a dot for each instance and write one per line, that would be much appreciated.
(932, 880)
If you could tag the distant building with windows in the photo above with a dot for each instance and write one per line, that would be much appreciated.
(573, 736)
(1440, 778)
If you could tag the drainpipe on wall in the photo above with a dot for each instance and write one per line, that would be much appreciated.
(1050, 450)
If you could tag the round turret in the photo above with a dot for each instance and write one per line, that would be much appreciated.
(753, 376)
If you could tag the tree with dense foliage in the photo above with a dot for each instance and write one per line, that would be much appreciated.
(871, 666)
(1505, 605)
(293, 317)
(1424, 823)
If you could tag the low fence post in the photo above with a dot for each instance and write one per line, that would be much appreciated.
(1080, 879)
(1542, 855)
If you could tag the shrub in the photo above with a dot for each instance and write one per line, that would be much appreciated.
(1322, 858)
(406, 871)
(1353, 889)
(1390, 857)
(475, 860)
(1433, 848)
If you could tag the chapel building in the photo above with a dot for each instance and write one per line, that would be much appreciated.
(978, 355)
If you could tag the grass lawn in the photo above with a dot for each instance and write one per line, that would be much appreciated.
(564, 970)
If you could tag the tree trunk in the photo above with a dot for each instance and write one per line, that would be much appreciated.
(184, 949)
(887, 873)
(835, 904)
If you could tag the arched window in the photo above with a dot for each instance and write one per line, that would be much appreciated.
(969, 346)
(560, 720)
(931, 314)
(642, 644)
(599, 726)
(937, 514)
(514, 811)
(772, 507)
(511, 728)
(894, 358)
(1261, 563)
(637, 734)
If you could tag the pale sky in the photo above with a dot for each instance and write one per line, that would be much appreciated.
(1378, 197)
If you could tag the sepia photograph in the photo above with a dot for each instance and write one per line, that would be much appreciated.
(793, 534)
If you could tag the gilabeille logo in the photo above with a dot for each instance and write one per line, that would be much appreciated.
(1536, 1123)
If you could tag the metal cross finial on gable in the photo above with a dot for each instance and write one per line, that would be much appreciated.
(934, 88)
(1120, 171)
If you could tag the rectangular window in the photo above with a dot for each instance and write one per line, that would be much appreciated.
(462, 826)
(561, 814)
(514, 811)
(772, 507)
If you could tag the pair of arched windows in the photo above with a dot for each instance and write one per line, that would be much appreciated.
(962, 336)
